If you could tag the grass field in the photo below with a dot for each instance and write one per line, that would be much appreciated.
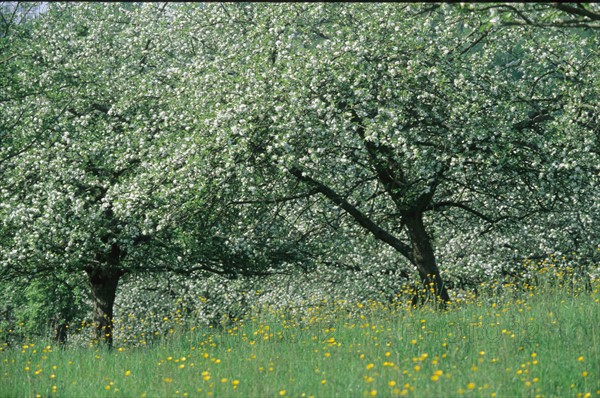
(540, 343)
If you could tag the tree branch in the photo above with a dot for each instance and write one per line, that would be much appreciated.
(364, 221)
(535, 119)
(582, 12)
(463, 206)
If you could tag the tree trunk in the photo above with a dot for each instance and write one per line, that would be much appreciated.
(419, 252)
(424, 257)
(104, 284)
(60, 330)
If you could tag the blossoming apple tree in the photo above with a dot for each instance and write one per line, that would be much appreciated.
(114, 173)
(411, 116)
(222, 137)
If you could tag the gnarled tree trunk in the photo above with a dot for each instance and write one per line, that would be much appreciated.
(419, 252)
(423, 256)
(104, 284)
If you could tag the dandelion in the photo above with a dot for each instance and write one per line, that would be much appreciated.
(471, 385)
(370, 366)
(436, 375)
(580, 359)
(373, 393)
(128, 373)
(392, 383)
(168, 380)
(282, 392)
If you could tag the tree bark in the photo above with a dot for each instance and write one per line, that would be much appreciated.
(424, 256)
(104, 284)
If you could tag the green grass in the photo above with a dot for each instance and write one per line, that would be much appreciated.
(545, 343)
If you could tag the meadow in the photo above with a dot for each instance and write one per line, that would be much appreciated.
(533, 341)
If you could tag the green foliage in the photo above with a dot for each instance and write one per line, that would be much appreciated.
(38, 306)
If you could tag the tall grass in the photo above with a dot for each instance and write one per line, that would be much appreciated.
(540, 342)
